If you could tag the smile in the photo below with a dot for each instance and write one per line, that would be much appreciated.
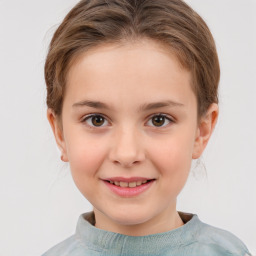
(133, 184)
(129, 187)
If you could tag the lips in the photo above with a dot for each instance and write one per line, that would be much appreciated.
(128, 187)
(132, 184)
(124, 184)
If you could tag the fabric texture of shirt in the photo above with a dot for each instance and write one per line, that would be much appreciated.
(194, 238)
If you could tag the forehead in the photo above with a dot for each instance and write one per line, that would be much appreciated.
(141, 69)
(145, 53)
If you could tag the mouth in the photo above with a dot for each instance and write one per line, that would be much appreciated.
(129, 187)
(132, 184)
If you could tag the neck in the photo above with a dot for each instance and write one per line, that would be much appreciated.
(163, 222)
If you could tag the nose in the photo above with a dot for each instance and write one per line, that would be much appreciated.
(127, 149)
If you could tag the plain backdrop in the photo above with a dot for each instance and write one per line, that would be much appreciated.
(39, 202)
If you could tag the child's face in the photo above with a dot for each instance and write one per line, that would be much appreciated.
(146, 129)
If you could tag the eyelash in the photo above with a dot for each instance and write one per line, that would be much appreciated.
(88, 117)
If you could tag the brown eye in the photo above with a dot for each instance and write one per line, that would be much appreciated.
(159, 121)
(95, 120)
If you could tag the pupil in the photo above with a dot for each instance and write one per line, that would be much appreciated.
(97, 120)
(158, 120)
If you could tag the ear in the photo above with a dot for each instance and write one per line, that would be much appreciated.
(58, 133)
(205, 129)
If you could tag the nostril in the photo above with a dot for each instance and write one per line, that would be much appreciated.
(126, 163)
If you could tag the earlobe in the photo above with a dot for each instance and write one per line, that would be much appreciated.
(205, 129)
(58, 133)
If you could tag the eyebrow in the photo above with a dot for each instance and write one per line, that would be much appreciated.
(92, 104)
(144, 107)
(154, 105)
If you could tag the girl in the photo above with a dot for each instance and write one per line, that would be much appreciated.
(132, 95)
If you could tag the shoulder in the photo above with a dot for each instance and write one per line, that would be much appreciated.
(68, 247)
(78, 244)
(222, 242)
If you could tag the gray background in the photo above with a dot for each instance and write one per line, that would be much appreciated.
(39, 202)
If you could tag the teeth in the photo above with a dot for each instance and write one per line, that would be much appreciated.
(124, 184)
(132, 184)
(128, 184)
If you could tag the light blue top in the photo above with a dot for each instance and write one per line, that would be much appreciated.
(194, 238)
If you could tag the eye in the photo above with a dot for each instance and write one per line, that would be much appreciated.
(159, 120)
(95, 120)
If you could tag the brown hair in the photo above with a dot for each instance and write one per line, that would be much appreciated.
(171, 22)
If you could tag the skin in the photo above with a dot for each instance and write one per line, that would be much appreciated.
(128, 143)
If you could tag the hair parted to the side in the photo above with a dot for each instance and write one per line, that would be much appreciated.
(170, 22)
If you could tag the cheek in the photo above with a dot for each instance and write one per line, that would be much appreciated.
(173, 165)
(173, 158)
(85, 156)
(85, 161)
